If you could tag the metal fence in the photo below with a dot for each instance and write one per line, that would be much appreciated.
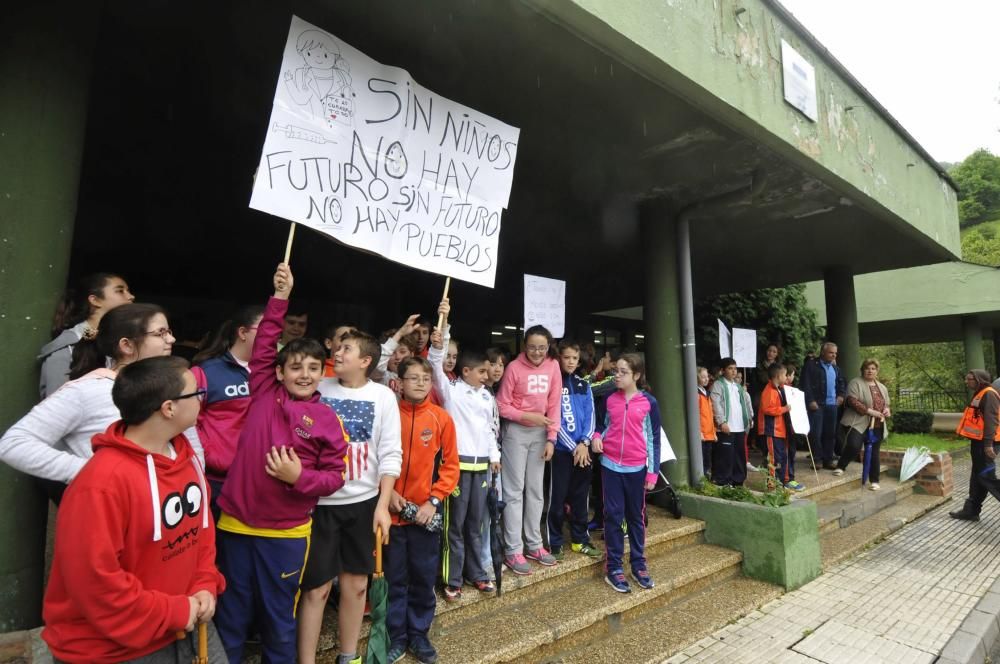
(931, 402)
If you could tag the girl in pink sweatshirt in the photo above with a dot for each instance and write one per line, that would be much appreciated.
(529, 403)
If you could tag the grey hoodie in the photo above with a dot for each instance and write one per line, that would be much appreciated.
(56, 357)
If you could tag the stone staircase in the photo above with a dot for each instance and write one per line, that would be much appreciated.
(851, 516)
(567, 613)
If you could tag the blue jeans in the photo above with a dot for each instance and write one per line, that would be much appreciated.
(823, 431)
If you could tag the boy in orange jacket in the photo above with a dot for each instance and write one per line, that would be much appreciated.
(771, 425)
(706, 421)
(430, 473)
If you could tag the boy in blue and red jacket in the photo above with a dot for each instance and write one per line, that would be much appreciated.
(290, 453)
(571, 469)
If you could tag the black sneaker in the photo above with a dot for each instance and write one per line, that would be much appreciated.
(829, 465)
(424, 651)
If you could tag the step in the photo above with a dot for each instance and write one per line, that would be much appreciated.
(842, 543)
(539, 628)
(819, 484)
(668, 630)
(841, 509)
(663, 534)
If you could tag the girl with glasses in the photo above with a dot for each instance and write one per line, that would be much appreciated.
(53, 441)
(528, 401)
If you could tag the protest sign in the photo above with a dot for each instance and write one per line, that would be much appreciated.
(363, 153)
(545, 304)
(745, 347)
(797, 411)
(725, 341)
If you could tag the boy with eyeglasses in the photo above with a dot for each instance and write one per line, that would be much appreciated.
(472, 407)
(430, 474)
(290, 452)
(134, 559)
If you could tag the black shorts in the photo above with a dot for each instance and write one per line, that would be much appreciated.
(342, 541)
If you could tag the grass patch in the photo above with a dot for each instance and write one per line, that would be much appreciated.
(933, 442)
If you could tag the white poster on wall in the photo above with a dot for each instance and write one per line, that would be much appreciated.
(725, 341)
(363, 153)
(545, 304)
(798, 412)
(745, 347)
(799, 81)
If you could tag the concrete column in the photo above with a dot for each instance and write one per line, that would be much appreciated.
(663, 331)
(842, 318)
(996, 352)
(45, 62)
(972, 337)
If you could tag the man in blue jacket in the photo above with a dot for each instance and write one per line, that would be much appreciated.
(825, 388)
(569, 479)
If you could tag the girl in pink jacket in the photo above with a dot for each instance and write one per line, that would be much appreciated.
(630, 463)
(529, 403)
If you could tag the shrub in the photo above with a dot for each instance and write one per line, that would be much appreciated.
(777, 498)
(911, 421)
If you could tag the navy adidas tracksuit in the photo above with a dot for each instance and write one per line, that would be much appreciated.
(570, 484)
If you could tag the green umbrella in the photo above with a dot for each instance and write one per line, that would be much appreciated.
(377, 651)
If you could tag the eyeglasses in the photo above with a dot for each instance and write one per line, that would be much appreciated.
(420, 380)
(162, 332)
(197, 393)
(536, 349)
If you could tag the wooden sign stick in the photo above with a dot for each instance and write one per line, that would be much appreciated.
(288, 245)
(447, 285)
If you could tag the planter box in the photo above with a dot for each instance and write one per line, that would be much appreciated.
(779, 544)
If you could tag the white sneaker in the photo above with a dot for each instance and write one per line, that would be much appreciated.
(874, 486)
(838, 472)
(752, 468)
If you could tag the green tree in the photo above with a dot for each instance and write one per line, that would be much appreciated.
(978, 180)
(980, 245)
(780, 315)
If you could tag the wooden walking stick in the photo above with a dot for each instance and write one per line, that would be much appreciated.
(202, 657)
(447, 285)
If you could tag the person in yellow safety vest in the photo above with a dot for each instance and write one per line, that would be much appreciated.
(979, 425)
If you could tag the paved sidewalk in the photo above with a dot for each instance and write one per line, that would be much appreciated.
(897, 603)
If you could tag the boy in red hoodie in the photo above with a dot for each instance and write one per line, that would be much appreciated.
(134, 558)
(290, 453)
(430, 474)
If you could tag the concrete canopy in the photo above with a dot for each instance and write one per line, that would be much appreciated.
(920, 305)
(616, 102)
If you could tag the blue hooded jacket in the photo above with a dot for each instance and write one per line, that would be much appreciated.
(576, 408)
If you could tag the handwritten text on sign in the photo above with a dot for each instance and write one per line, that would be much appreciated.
(545, 304)
(362, 152)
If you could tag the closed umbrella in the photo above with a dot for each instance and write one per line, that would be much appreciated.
(914, 459)
(870, 439)
(377, 651)
(495, 507)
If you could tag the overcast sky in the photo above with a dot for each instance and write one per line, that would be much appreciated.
(934, 65)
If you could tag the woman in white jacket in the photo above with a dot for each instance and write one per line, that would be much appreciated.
(52, 442)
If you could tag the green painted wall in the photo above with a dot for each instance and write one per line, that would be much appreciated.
(725, 58)
(779, 544)
(45, 67)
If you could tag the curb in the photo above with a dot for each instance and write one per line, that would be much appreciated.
(977, 634)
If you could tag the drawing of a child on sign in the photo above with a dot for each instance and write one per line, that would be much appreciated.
(323, 83)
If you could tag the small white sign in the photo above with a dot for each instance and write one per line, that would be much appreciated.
(799, 81)
(745, 347)
(798, 413)
(545, 304)
(725, 341)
